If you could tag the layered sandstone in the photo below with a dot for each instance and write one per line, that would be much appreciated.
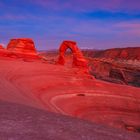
(1, 47)
(22, 46)
(63, 90)
(66, 91)
(130, 53)
(78, 58)
(122, 72)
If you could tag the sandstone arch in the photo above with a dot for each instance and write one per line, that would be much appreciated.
(78, 58)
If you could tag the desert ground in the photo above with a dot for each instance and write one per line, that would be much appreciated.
(65, 96)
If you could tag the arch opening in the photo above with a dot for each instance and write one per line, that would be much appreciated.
(68, 55)
(68, 51)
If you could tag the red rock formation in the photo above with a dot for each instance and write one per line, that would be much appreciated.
(123, 72)
(78, 59)
(132, 53)
(1, 47)
(62, 90)
(22, 46)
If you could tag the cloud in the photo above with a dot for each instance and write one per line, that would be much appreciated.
(90, 5)
(129, 29)
(129, 25)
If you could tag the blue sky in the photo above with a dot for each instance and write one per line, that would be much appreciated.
(95, 24)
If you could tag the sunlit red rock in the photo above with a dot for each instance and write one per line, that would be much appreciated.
(66, 91)
(78, 58)
(22, 45)
(1, 47)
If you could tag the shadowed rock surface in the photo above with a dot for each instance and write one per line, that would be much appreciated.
(130, 53)
(19, 122)
(122, 72)
(1, 47)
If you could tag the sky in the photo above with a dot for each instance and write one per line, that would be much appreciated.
(93, 24)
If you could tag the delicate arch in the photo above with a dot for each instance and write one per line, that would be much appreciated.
(78, 58)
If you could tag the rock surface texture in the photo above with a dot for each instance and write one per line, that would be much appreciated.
(22, 46)
(63, 90)
(78, 58)
(119, 65)
(1, 47)
(3, 51)
(130, 53)
(122, 72)
(20, 122)
(123, 53)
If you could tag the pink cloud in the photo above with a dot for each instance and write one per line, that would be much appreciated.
(129, 28)
(129, 25)
(111, 5)
(10, 16)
